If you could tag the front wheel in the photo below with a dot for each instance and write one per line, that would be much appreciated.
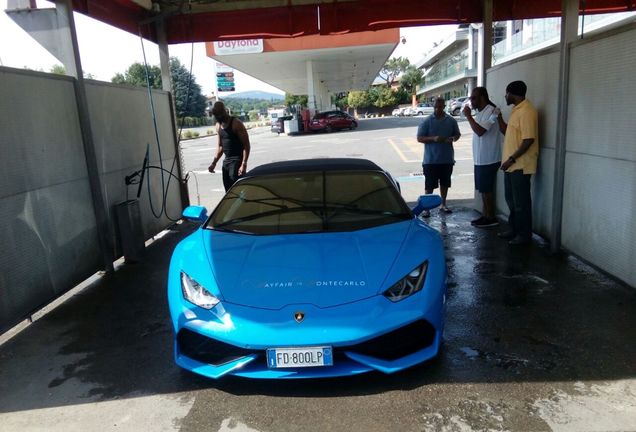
(329, 129)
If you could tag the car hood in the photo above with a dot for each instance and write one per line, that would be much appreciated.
(323, 269)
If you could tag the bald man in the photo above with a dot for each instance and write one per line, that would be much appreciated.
(233, 142)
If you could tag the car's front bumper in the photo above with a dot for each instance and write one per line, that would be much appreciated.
(371, 334)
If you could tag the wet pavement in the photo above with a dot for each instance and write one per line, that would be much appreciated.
(533, 342)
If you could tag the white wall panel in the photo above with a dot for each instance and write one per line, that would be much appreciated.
(49, 238)
(600, 183)
(48, 241)
(598, 213)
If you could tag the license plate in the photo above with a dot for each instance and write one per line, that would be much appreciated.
(299, 357)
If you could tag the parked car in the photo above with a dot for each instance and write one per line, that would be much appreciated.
(329, 121)
(423, 108)
(409, 111)
(397, 112)
(455, 105)
(278, 125)
(308, 269)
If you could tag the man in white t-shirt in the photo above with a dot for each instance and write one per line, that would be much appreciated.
(487, 142)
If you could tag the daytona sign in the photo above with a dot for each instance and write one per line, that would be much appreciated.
(229, 47)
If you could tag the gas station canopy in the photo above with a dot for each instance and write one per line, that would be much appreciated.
(211, 20)
(336, 63)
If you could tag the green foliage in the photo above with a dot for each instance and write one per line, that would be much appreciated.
(358, 99)
(411, 78)
(58, 69)
(386, 97)
(194, 121)
(135, 75)
(253, 116)
(190, 134)
(238, 105)
(294, 100)
(188, 103)
(393, 68)
(188, 99)
(341, 100)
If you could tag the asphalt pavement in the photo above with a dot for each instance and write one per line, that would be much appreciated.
(390, 142)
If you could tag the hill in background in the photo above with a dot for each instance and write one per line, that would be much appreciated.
(255, 94)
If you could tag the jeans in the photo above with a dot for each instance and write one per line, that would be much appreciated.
(230, 171)
(517, 187)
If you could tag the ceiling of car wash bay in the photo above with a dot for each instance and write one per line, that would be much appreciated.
(209, 20)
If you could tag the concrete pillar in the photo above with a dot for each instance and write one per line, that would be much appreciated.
(569, 31)
(164, 57)
(509, 34)
(471, 47)
(485, 44)
(311, 91)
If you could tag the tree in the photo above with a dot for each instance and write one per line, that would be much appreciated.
(58, 69)
(188, 99)
(135, 75)
(386, 97)
(294, 100)
(341, 100)
(392, 69)
(411, 78)
(358, 99)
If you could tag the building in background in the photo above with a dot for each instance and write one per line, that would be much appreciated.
(450, 68)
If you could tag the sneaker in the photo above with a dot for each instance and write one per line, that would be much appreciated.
(477, 221)
(519, 240)
(486, 223)
(507, 235)
(426, 214)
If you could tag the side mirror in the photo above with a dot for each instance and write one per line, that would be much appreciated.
(427, 202)
(195, 213)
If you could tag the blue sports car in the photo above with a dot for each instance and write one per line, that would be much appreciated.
(308, 268)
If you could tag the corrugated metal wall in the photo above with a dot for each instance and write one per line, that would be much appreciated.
(541, 74)
(600, 178)
(48, 240)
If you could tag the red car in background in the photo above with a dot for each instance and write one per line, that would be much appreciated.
(332, 120)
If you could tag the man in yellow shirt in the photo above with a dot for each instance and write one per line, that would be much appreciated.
(519, 161)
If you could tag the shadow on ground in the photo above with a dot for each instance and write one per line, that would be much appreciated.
(514, 315)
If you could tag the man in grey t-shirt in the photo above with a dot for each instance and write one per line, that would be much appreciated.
(438, 132)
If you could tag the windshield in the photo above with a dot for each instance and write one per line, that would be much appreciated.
(309, 202)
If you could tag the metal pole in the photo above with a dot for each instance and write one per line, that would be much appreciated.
(166, 84)
(484, 54)
(65, 11)
(569, 28)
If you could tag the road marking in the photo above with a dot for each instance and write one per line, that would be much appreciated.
(400, 153)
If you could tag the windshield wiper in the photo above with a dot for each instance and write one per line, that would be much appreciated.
(269, 213)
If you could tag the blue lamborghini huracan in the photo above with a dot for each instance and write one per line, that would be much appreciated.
(309, 268)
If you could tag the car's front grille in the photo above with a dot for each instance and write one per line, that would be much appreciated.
(396, 344)
(208, 350)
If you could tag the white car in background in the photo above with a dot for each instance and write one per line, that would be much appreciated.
(423, 108)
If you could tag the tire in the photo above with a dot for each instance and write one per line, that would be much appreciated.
(328, 129)
(455, 112)
(353, 125)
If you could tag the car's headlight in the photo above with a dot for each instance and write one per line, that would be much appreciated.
(196, 294)
(408, 285)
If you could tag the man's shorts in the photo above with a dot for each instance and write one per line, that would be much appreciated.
(486, 177)
(436, 175)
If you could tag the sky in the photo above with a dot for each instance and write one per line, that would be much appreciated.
(105, 51)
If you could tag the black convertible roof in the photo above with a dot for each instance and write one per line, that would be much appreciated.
(306, 165)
